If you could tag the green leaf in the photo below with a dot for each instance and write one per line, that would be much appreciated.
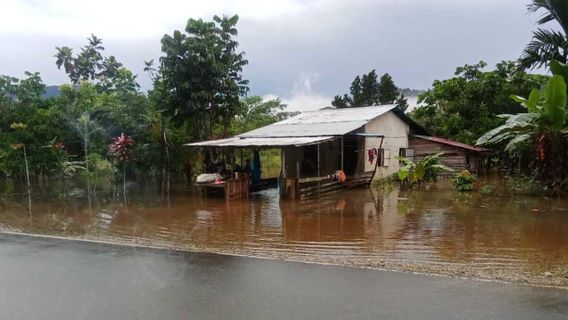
(559, 68)
(555, 102)
(442, 167)
(532, 103)
(516, 142)
(517, 123)
(403, 173)
(419, 171)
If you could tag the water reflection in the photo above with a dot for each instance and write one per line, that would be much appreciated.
(438, 226)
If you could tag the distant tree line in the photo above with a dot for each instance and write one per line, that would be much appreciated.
(367, 90)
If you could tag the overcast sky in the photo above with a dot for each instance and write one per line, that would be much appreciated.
(302, 51)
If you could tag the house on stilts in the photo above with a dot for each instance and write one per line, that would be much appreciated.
(327, 150)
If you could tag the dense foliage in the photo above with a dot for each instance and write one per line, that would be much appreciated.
(89, 129)
(542, 127)
(466, 106)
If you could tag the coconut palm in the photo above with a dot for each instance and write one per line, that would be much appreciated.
(547, 44)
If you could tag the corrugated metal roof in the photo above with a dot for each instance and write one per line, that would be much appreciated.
(326, 122)
(451, 143)
(261, 142)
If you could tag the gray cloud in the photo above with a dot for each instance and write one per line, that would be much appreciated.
(313, 50)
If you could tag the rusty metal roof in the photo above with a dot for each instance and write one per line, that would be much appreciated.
(241, 142)
(451, 143)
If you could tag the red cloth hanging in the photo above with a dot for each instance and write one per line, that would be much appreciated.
(372, 154)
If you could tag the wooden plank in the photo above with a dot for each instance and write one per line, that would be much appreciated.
(322, 190)
(314, 179)
(321, 193)
(319, 186)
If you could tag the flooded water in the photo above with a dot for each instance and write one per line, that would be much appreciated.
(439, 228)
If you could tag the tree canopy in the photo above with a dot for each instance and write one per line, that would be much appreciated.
(367, 90)
(466, 106)
(201, 69)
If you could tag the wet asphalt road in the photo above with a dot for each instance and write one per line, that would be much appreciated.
(59, 279)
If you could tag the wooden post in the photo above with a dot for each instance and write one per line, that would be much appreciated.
(318, 167)
(342, 152)
(283, 162)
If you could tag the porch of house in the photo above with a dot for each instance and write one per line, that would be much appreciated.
(309, 166)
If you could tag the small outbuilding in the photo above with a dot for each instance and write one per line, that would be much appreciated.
(456, 155)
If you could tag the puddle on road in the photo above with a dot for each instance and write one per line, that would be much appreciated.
(499, 235)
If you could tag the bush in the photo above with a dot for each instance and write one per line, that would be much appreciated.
(526, 185)
(425, 170)
(464, 181)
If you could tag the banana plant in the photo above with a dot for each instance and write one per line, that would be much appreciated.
(545, 116)
(542, 127)
(426, 169)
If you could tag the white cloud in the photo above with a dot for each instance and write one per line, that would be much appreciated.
(302, 97)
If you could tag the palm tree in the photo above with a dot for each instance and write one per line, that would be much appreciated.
(547, 44)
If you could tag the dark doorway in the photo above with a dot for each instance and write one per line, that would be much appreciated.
(351, 154)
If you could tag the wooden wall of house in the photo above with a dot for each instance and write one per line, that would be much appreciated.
(454, 157)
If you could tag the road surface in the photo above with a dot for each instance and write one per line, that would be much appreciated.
(60, 279)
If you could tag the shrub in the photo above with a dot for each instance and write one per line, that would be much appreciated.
(417, 172)
(464, 181)
(526, 185)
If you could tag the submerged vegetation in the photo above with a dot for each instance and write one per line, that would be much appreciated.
(88, 130)
(424, 170)
(464, 181)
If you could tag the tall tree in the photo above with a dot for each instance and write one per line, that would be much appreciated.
(366, 91)
(90, 65)
(370, 89)
(341, 101)
(202, 68)
(402, 103)
(547, 44)
(387, 90)
(356, 89)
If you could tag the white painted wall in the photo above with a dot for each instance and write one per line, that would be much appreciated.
(396, 134)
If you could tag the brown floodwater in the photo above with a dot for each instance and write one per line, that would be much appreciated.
(439, 227)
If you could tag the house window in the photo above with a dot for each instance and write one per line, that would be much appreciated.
(407, 153)
(384, 158)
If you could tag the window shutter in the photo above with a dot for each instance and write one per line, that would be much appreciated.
(409, 154)
(386, 158)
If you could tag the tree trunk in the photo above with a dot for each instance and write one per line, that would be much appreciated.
(28, 184)
(124, 181)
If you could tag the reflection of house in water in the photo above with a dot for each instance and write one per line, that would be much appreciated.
(345, 216)
(362, 143)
